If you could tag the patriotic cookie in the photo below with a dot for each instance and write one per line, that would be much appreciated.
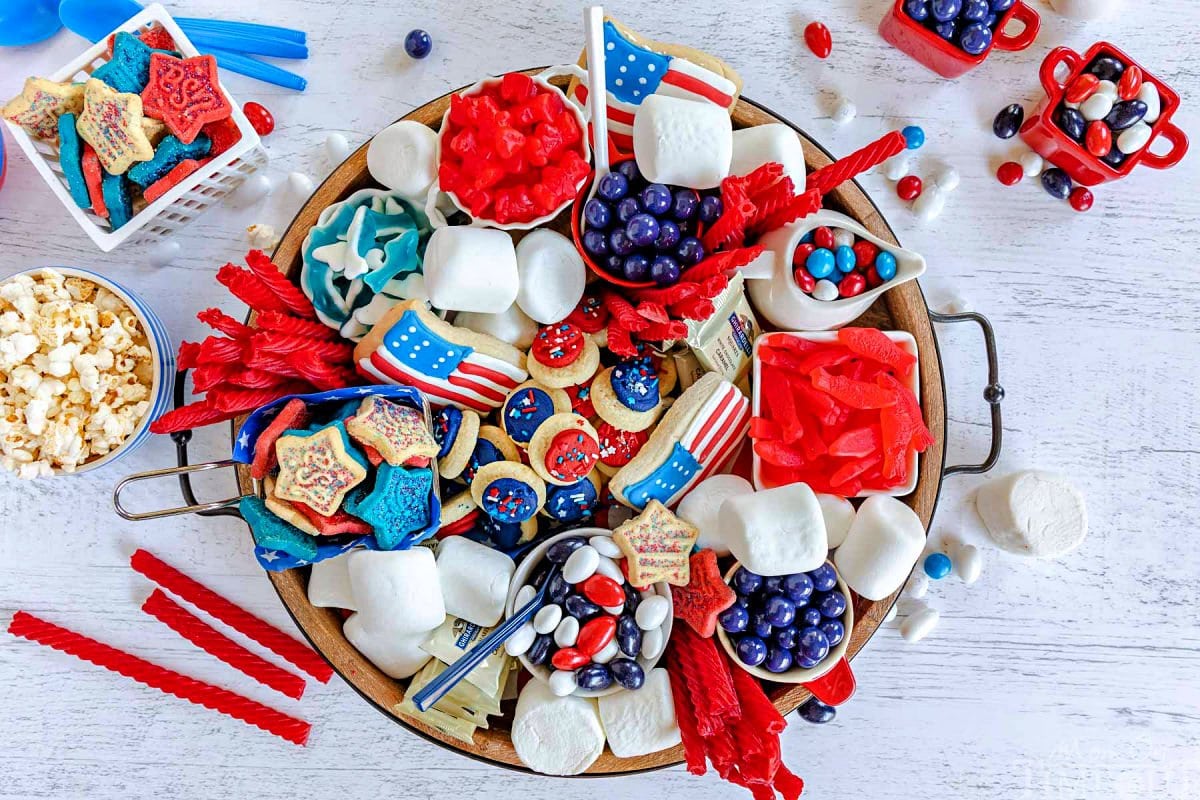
(591, 317)
(657, 545)
(456, 432)
(285, 509)
(504, 535)
(459, 515)
(618, 447)
(564, 449)
(40, 104)
(573, 503)
(397, 432)
(185, 93)
(562, 355)
(491, 446)
(111, 122)
(450, 365)
(397, 507)
(508, 491)
(698, 435)
(627, 395)
(318, 468)
(272, 533)
(528, 406)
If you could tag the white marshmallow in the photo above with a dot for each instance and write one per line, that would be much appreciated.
(779, 531)
(471, 269)
(396, 655)
(510, 325)
(552, 276)
(474, 579)
(641, 722)
(919, 624)
(683, 142)
(329, 584)
(403, 158)
(1033, 513)
(968, 563)
(883, 544)
(1149, 95)
(701, 506)
(838, 513)
(337, 148)
(762, 144)
(397, 591)
(556, 735)
(652, 612)
(520, 641)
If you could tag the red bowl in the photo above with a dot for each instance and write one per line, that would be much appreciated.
(1042, 134)
(949, 60)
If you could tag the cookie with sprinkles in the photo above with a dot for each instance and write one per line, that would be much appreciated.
(618, 447)
(627, 395)
(573, 503)
(492, 445)
(397, 432)
(657, 546)
(459, 515)
(40, 104)
(318, 468)
(111, 122)
(397, 507)
(564, 449)
(508, 492)
(528, 406)
(562, 355)
(456, 432)
(591, 317)
(504, 535)
(285, 509)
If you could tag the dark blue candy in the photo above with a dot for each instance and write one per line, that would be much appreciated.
(642, 228)
(803, 661)
(1056, 183)
(558, 589)
(834, 631)
(627, 209)
(629, 635)
(1107, 68)
(668, 235)
(811, 616)
(745, 582)
(734, 619)
(633, 598)
(561, 550)
(947, 30)
(773, 584)
(627, 672)
(690, 251)
(1125, 114)
(418, 43)
(975, 38)
(636, 267)
(814, 711)
(615, 264)
(798, 587)
(788, 637)
(833, 605)
(1072, 122)
(917, 9)
(711, 209)
(1115, 158)
(613, 187)
(760, 625)
(581, 608)
(751, 650)
(813, 644)
(991, 21)
(664, 270)
(619, 243)
(975, 10)
(824, 577)
(1000, 6)
(539, 651)
(946, 10)
(684, 204)
(593, 677)
(597, 213)
(657, 199)
(778, 659)
(1008, 121)
(630, 170)
(779, 611)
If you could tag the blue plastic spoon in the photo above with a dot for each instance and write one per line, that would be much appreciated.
(189, 24)
(258, 45)
(25, 22)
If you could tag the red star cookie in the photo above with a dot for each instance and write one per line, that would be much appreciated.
(705, 596)
(185, 93)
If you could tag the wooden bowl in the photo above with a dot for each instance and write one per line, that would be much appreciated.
(902, 308)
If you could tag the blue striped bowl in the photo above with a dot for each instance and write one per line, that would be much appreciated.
(163, 386)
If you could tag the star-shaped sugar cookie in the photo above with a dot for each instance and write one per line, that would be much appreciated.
(40, 104)
(397, 508)
(317, 469)
(185, 93)
(657, 545)
(129, 67)
(111, 122)
(397, 432)
(705, 596)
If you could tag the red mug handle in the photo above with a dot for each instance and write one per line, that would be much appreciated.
(1032, 22)
(1059, 55)
(1179, 148)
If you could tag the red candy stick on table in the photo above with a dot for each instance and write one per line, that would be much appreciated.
(241, 621)
(829, 178)
(37, 630)
(215, 643)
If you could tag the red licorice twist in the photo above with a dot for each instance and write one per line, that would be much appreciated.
(828, 178)
(286, 291)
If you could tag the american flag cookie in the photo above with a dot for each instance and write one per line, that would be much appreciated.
(450, 365)
(657, 545)
(627, 395)
(564, 449)
(697, 437)
(562, 356)
(508, 491)
(318, 468)
(456, 432)
(397, 432)
(528, 407)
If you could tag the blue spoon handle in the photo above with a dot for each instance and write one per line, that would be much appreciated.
(241, 29)
(251, 45)
(253, 68)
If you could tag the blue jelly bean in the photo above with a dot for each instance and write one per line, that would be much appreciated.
(628, 673)
(816, 712)
(976, 38)
(937, 565)
(539, 651)
(418, 43)
(561, 550)
(914, 136)
(885, 265)
(917, 9)
(1057, 183)
(593, 677)
(845, 258)
(629, 635)
(820, 263)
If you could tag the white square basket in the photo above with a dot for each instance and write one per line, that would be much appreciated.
(181, 204)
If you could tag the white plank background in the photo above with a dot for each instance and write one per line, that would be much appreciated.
(1071, 679)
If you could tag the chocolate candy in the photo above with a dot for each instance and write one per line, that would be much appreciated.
(1008, 121)
(1072, 122)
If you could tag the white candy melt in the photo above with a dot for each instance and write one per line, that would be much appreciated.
(337, 148)
(838, 513)
(402, 157)
(556, 735)
(918, 585)
(779, 531)
(683, 142)
(1033, 513)
(396, 655)
(968, 563)
(605, 546)
(897, 166)
(471, 269)
(552, 276)
(547, 618)
(1032, 163)
(163, 253)
(843, 111)
(255, 188)
(947, 178)
(929, 205)
(567, 632)
(652, 612)
(520, 641)
(562, 682)
(919, 624)
(763, 144)
(883, 544)
(329, 584)
(475, 580)
(581, 564)
(300, 185)
(641, 722)
(653, 644)
(397, 590)
(510, 325)
(701, 506)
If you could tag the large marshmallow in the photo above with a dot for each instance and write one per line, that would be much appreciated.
(471, 269)
(683, 142)
(762, 144)
(556, 735)
(839, 516)
(397, 591)
(552, 276)
(475, 580)
(510, 325)
(642, 721)
(779, 531)
(329, 584)
(1033, 513)
(883, 544)
(702, 505)
(403, 157)
(396, 655)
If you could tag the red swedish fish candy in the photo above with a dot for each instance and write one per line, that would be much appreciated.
(595, 635)
(570, 658)
(855, 394)
(874, 343)
(830, 356)
(764, 430)
(780, 455)
(856, 443)
(603, 591)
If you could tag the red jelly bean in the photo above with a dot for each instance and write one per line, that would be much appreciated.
(1082, 88)
(823, 237)
(873, 278)
(1099, 138)
(594, 636)
(1081, 199)
(1130, 83)
(570, 658)
(909, 187)
(1010, 173)
(819, 39)
(805, 280)
(262, 120)
(603, 591)
(864, 253)
(851, 285)
(803, 251)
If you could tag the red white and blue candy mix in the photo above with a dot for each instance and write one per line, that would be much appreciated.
(834, 263)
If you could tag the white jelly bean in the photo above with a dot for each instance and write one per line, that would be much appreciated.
(255, 188)
(843, 111)
(608, 653)
(919, 624)
(300, 184)
(1134, 138)
(524, 595)
(1148, 94)
(1096, 107)
(562, 682)
(918, 584)
(929, 205)
(1071, 104)
(605, 546)
(653, 643)
(826, 291)
(547, 618)
(606, 566)
(896, 167)
(336, 148)
(968, 563)
(615, 610)
(891, 614)
(520, 641)
(1107, 88)
(567, 632)
(1033, 164)
(947, 179)
(652, 612)
(163, 253)
(843, 238)
(581, 564)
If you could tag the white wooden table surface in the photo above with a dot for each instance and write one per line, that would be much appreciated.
(1068, 679)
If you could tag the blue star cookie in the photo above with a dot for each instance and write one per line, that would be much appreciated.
(272, 533)
(70, 158)
(397, 507)
(528, 406)
(168, 155)
(129, 68)
(117, 198)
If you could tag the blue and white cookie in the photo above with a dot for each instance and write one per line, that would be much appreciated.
(456, 432)
(528, 406)
(574, 503)
(627, 396)
(491, 445)
(508, 491)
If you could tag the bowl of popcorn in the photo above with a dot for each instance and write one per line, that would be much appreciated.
(86, 367)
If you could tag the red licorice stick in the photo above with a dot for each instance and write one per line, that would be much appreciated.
(829, 178)
(190, 417)
(250, 289)
(221, 322)
(287, 292)
(249, 711)
(240, 620)
(285, 323)
(217, 644)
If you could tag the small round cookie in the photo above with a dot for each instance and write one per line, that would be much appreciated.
(492, 445)
(564, 449)
(591, 317)
(627, 396)
(562, 355)
(668, 374)
(528, 406)
(459, 514)
(508, 491)
(574, 503)
(506, 535)
(456, 432)
(617, 447)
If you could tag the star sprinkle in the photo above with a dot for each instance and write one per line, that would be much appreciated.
(397, 509)
(705, 596)
(185, 93)
(129, 68)
(40, 104)
(316, 469)
(397, 432)
(111, 123)
(657, 545)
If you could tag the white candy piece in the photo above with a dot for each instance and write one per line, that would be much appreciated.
(471, 269)
(897, 166)
(606, 547)
(337, 149)
(1149, 95)
(397, 655)
(641, 722)
(968, 563)
(607, 653)
(163, 253)
(919, 624)
(762, 144)
(929, 205)
(606, 566)
(581, 564)
(255, 188)
(947, 178)
(556, 735)
(826, 291)
(1032, 163)
(397, 591)
(524, 595)
(1085, 9)
(843, 238)
(778, 531)
(843, 111)
(567, 632)
(1108, 89)
(562, 682)
(521, 641)
(918, 584)
(891, 614)
(883, 544)
(683, 142)
(701, 506)
(652, 612)
(653, 644)
(403, 157)
(614, 610)
(329, 584)
(838, 513)
(956, 303)
(1033, 513)
(300, 185)
(1096, 107)
(552, 276)
(547, 618)
(475, 580)
(510, 325)
(1134, 138)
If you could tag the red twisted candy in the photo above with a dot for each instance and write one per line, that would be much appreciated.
(800, 206)
(232, 399)
(296, 326)
(286, 344)
(190, 417)
(218, 350)
(623, 312)
(223, 323)
(287, 292)
(207, 376)
(247, 287)
(189, 353)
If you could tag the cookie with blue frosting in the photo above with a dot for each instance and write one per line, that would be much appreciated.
(628, 395)
(456, 431)
(491, 445)
(508, 491)
(574, 503)
(527, 408)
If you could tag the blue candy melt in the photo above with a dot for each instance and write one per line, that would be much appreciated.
(914, 136)
(937, 565)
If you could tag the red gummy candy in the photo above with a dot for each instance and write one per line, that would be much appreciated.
(517, 86)
(294, 414)
(764, 429)
(780, 454)
(185, 94)
(875, 344)
(705, 596)
(338, 523)
(864, 253)
(855, 394)
(173, 178)
(92, 176)
(856, 443)
(157, 38)
(223, 134)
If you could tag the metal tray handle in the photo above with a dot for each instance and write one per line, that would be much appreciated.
(993, 393)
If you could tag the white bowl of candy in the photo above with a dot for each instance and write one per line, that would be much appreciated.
(777, 294)
(633, 632)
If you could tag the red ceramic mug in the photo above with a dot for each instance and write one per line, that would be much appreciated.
(1043, 134)
(946, 58)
